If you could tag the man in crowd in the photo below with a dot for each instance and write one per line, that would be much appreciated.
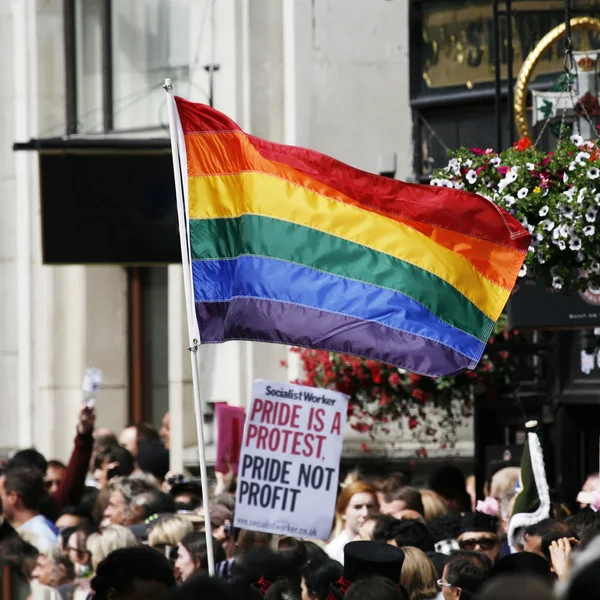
(165, 430)
(134, 434)
(479, 533)
(464, 573)
(546, 529)
(55, 473)
(397, 502)
(22, 493)
(122, 492)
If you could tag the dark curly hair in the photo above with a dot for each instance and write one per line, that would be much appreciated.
(118, 570)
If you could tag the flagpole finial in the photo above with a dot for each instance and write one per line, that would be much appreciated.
(531, 424)
(168, 87)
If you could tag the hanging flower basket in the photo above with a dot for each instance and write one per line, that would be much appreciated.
(556, 196)
(382, 396)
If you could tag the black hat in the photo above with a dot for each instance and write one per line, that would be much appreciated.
(478, 521)
(523, 563)
(365, 558)
(187, 486)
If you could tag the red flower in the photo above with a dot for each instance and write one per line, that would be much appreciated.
(412, 423)
(413, 377)
(477, 151)
(365, 448)
(418, 394)
(522, 144)
(503, 170)
(384, 400)
(394, 379)
(376, 374)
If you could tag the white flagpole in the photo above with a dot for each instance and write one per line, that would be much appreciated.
(179, 171)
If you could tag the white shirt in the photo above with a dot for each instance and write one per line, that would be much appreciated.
(335, 549)
(39, 532)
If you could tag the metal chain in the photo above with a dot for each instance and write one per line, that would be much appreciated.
(550, 118)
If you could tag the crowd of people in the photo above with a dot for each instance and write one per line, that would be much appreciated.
(115, 524)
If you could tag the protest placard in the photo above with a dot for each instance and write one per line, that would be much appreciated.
(289, 464)
(230, 430)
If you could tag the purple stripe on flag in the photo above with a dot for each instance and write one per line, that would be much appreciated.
(271, 321)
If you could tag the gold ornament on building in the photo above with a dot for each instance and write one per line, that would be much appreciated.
(522, 84)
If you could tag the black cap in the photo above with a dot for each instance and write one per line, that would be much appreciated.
(478, 521)
(365, 558)
(523, 563)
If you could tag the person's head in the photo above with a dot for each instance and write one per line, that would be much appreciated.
(187, 493)
(478, 532)
(590, 486)
(405, 532)
(77, 550)
(133, 574)
(165, 430)
(55, 471)
(110, 539)
(253, 540)
(548, 528)
(445, 527)
(131, 436)
(449, 483)
(464, 571)
(122, 492)
(317, 576)
(169, 531)
(152, 502)
(71, 516)
(52, 569)
(405, 498)
(22, 492)
(354, 505)
(586, 525)
(433, 505)
(516, 587)
(388, 484)
(503, 489)
(112, 461)
(153, 458)
(29, 458)
(418, 576)
(204, 587)
(374, 588)
(192, 556)
(523, 563)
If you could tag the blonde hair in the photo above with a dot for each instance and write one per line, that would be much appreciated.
(112, 538)
(433, 505)
(170, 531)
(418, 575)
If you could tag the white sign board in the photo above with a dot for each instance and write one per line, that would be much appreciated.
(290, 459)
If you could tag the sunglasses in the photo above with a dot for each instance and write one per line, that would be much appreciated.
(483, 543)
(48, 483)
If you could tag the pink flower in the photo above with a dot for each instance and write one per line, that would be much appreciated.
(503, 170)
(489, 506)
(477, 151)
(489, 151)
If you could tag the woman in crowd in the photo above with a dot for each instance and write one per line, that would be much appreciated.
(418, 576)
(433, 505)
(169, 531)
(192, 556)
(355, 503)
(111, 538)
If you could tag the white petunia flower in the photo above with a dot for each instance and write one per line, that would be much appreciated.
(561, 244)
(509, 200)
(575, 243)
(522, 193)
(581, 158)
(549, 225)
(595, 267)
(436, 182)
(544, 211)
(454, 165)
(589, 230)
(530, 166)
(496, 162)
(503, 184)
(523, 270)
(541, 258)
(539, 236)
(565, 178)
(593, 173)
(570, 193)
(577, 140)
(581, 195)
(572, 166)
(557, 283)
(471, 176)
(468, 163)
(511, 176)
(580, 257)
(590, 215)
(563, 230)
(459, 185)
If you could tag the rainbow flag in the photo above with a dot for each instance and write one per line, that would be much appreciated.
(294, 247)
